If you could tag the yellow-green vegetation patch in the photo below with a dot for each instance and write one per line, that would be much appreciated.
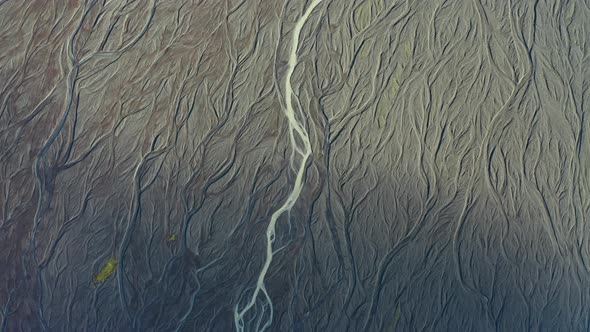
(404, 57)
(397, 316)
(407, 51)
(107, 270)
(365, 51)
(366, 12)
(388, 97)
(570, 11)
(395, 82)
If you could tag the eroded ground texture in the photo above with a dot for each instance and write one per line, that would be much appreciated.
(294, 165)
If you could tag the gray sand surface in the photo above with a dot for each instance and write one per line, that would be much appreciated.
(294, 165)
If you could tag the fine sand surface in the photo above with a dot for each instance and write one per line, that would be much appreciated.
(294, 165)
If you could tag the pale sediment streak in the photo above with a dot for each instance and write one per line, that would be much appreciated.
(297, 131)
